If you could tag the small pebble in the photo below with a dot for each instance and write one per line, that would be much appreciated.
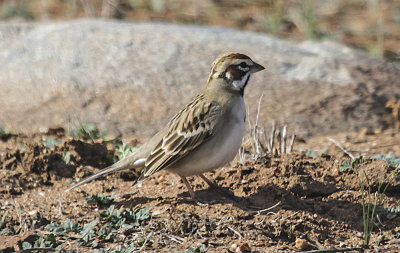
(161, 179)
(302, 244)
(241, 247)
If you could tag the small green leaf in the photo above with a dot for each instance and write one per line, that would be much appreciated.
(88, 231)
(200, 249)
(71, 226)
(55, 228)
(101, 199)
(26, 245)
(66, 156)
(122, 150)
(3, 219)
(143, 213)
(88, 131)
(50, 143)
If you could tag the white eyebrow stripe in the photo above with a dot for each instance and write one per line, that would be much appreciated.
(243, 69)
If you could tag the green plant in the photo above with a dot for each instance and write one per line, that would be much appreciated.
(66, 157)
(310, 19)
(154, 5)
(3, 219)
(88, 131)
(88, 234)
(17, 9)
(390, 212)
(129, 249)
(100, 199)
(126, 216)
(145, 240)
(119, 220)
(275, 18)
(314, 154)
(306, 19)
(45, 242)
(122, 150)
(113, 222)
(50, 143)
(369, 206)
(69, 226)
(390, 158)
(199, 249)
(346, 165)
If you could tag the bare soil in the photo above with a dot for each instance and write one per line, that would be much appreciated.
(317, 204)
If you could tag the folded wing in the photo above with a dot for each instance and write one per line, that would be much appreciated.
(187, 130)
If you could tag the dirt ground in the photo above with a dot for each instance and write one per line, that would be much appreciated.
(315, 203)
(303, 201)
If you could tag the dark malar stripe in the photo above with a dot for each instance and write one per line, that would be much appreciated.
(244, 86)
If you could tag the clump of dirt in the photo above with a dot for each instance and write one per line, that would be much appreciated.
(38, 165)
(282, 203)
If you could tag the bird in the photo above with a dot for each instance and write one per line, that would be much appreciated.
(204, 135)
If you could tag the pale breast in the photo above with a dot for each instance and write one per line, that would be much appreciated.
(220, 149)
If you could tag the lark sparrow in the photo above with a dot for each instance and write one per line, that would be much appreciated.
(205, 134)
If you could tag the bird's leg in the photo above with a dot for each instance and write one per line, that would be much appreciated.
(216, 186)
(191, 192)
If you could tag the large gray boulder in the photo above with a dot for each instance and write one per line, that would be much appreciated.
(130, 78)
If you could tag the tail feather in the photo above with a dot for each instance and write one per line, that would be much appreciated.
(120, 165)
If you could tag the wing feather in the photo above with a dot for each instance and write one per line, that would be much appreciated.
(188, 129)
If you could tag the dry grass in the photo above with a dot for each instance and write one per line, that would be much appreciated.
(369, 25)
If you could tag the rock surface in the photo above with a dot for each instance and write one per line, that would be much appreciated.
(130, 78)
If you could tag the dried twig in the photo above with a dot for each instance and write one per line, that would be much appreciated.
(20, 218)
(241, 155)
(332, 250)
(279, 139)
(60, 209)
(283, 147)
(272, 139)
(36, 249)
(258, 109)
(174, 238)
(248, 118)
(267, 209)
(291, 143)
(289, 216)
(256, 132)
(234, 231)
(341, 147)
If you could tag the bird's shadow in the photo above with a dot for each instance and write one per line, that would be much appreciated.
(263, 198)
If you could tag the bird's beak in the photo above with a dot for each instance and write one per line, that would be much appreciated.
(256, 67)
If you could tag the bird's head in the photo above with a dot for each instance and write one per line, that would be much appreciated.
(235, 69)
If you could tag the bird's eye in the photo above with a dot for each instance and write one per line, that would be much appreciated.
(243, 65)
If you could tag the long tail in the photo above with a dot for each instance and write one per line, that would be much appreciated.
(128, 163)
